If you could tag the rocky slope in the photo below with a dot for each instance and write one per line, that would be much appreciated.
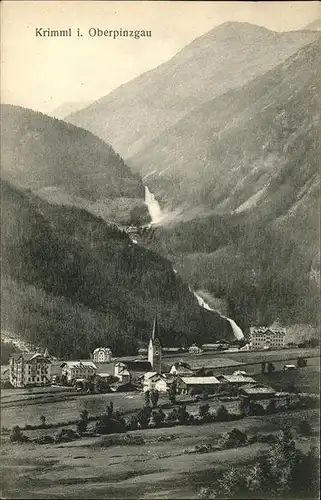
(67, 108)
(226, 154)
(224, 58)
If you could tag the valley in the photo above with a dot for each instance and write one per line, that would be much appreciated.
(160, 265)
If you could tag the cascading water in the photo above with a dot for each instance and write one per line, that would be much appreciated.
(156, 215)
(238, 334)
(153, 206)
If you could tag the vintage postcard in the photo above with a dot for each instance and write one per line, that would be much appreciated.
(160, 197)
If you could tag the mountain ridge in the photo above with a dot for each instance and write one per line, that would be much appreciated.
(134, 113)
(202, 155)
(49, 155)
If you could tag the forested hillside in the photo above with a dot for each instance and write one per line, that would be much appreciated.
(66, 164)
(72, 282)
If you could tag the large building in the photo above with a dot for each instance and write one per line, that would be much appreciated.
(29, 370)
(102, 355)
(155, 349)
(197, 385)
(262, 337)
(194, 349)
(73, 370)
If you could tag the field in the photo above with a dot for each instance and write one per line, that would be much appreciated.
(89, 469)
(247, 357)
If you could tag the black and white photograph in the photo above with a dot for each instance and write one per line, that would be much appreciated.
(160, 249)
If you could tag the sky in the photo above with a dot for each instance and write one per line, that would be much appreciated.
(42, 73)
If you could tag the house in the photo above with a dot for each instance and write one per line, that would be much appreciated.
(291, 345)
(256, 392)
(245, 347)
(182, 369)
(131, 370)
(123, 387)
(137, 368)
(5, 374)
(262, 337)
(72, 370)
(172, 350)
(122, 372)
(154, 381)
(215, 347)
(197, 385)
(155, 348)
(194, 349)
(102, 355)
(29, 370)
(142, 351)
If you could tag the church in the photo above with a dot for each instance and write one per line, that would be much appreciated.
(134, 371)
(155, 348)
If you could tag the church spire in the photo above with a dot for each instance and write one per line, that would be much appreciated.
(155, 332)
(155, 348)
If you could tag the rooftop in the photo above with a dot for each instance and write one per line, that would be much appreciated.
(106, 349)
(200, 380)
(29, 356)
(79, 364)
(150, 374)
(263, 329)
(258, 390)
(138, 365)
(238, 378)
(205, 361)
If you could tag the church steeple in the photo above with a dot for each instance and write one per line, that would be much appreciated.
(155, 332)
(155, 348)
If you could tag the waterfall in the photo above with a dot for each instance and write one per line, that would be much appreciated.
(156, 214)
(238, 334)
(153, 206)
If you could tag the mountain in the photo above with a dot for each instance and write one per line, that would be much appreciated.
(224, 58)
(67, 108)
(70, 282)
(250, 158)
(225, 154)
(314, 25)
(67, 164)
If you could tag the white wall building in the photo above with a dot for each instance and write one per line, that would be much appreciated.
(73, 370)
(102, 355)
(182, 369)
(194, 349)
(121, 371)
(262, 337)
(154, 381)
(29, 369)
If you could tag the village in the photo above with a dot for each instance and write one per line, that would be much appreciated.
(166, 404)
(158, 368)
